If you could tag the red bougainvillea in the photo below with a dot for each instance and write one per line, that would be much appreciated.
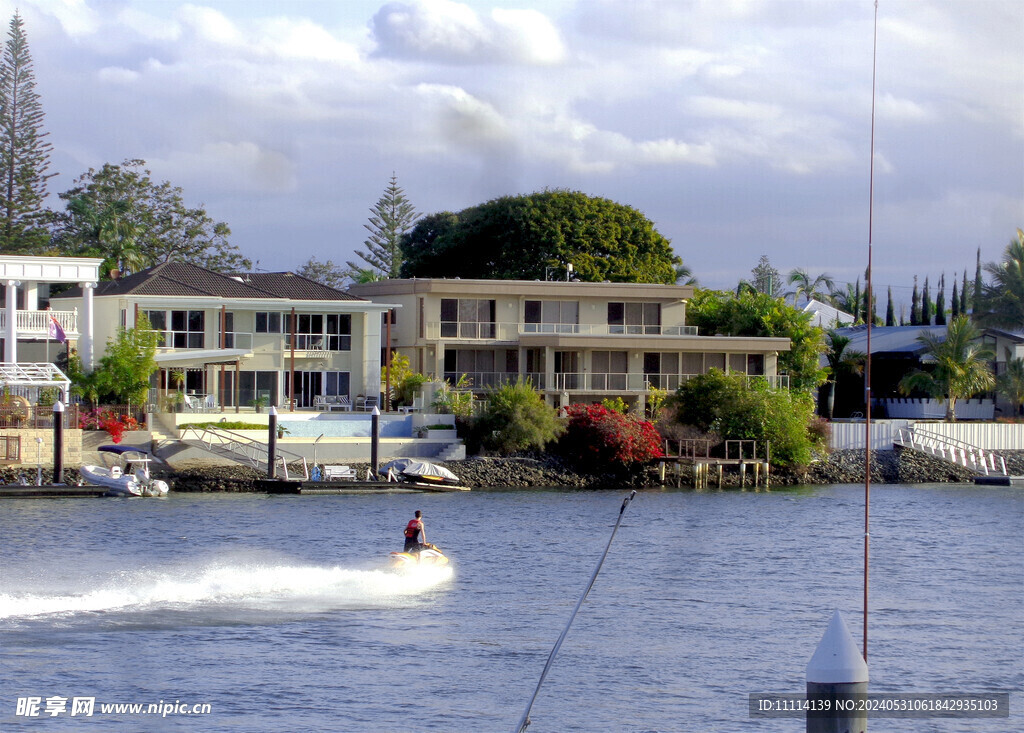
(108, 420)
(597, 435)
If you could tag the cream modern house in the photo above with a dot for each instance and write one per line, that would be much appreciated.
(259, 338)
(575, 341)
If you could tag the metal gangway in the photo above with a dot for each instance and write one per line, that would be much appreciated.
(964, 454)
(241, 448)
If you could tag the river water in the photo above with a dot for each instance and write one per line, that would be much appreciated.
(279, 612)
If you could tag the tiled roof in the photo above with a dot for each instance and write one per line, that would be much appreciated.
(295, 287)
(186, 279)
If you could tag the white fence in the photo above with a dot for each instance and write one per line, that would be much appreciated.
(921, 409)
(987, 435)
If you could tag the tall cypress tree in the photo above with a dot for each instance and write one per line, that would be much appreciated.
(24, 153)
(856, 303)
(915, 306)
(890, 313)
(392, 217)
(926, 304)
(954, 302)
(940, 302)
(976, 295)
(964, 306)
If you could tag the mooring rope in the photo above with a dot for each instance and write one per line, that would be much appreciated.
(525, 720)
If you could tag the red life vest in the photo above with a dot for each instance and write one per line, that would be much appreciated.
(413, 528)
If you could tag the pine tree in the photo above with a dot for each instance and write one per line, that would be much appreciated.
(954, 302)
(890, 313)
(856, 303)
(24, 154)
(940, 302)
(766, 279)
(392, 217)
(926, 305)
(915, 306)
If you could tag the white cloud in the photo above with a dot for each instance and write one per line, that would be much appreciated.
(450, 32)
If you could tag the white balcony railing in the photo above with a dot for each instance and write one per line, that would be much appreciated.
(487, 331)
(594, 381)
(36, 324)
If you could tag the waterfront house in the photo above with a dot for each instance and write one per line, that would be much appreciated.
(575, 341)
(251, 339)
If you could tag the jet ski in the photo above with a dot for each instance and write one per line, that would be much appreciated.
(429, 555)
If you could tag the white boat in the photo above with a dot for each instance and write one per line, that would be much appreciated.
(422, 474)
(126, 475)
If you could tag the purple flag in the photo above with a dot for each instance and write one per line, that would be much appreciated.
(56, 332)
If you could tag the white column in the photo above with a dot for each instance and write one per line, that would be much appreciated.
(32, 296)
(87, 333)
(11, 333)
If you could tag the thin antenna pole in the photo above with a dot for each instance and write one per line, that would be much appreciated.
(524, 721)
(870, 318)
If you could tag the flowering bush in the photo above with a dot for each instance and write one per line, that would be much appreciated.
(601, 437)
(114, 424)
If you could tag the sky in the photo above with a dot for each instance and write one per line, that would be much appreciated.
(741, 128)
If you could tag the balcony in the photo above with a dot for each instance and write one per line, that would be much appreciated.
(510, 332)
(597, 382)
(36, 324)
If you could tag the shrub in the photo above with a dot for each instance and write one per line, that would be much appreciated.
(603, 438)
(740, 409)
(515, 418)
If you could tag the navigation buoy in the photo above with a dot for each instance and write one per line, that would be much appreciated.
(837, 676)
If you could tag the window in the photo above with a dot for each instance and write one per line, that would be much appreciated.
(339, 334)
(610, 368)
(229, 330)
(551, 316)
(187, 329)
(158, 322)
(467, 318)
(755, 364)
(268, 323)
(477, 365)
(634, 318)
(661, 370)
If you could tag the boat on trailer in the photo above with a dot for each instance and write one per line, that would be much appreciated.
(422, 474)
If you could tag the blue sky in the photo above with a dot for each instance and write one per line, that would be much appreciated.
(740, 127)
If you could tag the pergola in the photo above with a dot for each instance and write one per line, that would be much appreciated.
(33, 376)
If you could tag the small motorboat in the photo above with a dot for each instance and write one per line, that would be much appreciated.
(429, 555)
(421, 473)
(126, 473)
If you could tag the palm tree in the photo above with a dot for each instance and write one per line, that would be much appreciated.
(846, 300)
(684, 276)
(1011, 384)
(961, 365)
(1002, 300)
(840, 362)
(810, 289)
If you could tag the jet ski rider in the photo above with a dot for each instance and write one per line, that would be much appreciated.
(415, 534)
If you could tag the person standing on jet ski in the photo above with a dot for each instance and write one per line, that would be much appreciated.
(415, 534)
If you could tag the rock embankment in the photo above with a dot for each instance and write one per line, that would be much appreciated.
(546, 470)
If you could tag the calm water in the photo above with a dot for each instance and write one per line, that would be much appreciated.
(279, 612)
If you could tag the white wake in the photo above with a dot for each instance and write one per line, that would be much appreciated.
(247, 585)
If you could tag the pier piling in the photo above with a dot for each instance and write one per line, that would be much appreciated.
(838, 673)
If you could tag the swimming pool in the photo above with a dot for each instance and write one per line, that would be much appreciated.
(347, 426)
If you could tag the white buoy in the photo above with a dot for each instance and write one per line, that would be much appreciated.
(837, 673)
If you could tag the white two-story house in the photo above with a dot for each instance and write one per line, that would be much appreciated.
(575, 341)
(258, 338)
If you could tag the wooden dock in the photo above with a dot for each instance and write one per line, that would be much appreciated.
(693, 457)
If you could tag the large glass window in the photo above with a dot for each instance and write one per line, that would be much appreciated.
(158, 321)
(634, 318)
(467, 318)
(661, 370)
(339, 333)
(551, 316)
(609, 370)
(268, 323)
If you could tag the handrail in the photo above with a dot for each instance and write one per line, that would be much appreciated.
(254, 452)
(947, 448)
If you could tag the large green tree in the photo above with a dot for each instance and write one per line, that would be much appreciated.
(1002, 301)
(842, 362)
(24, 152)
(122, 375)
(165, 227)
(391, 218)
(1011, 384)
(959, 368)
(520, 237)
(326, 273)
(758, 314)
